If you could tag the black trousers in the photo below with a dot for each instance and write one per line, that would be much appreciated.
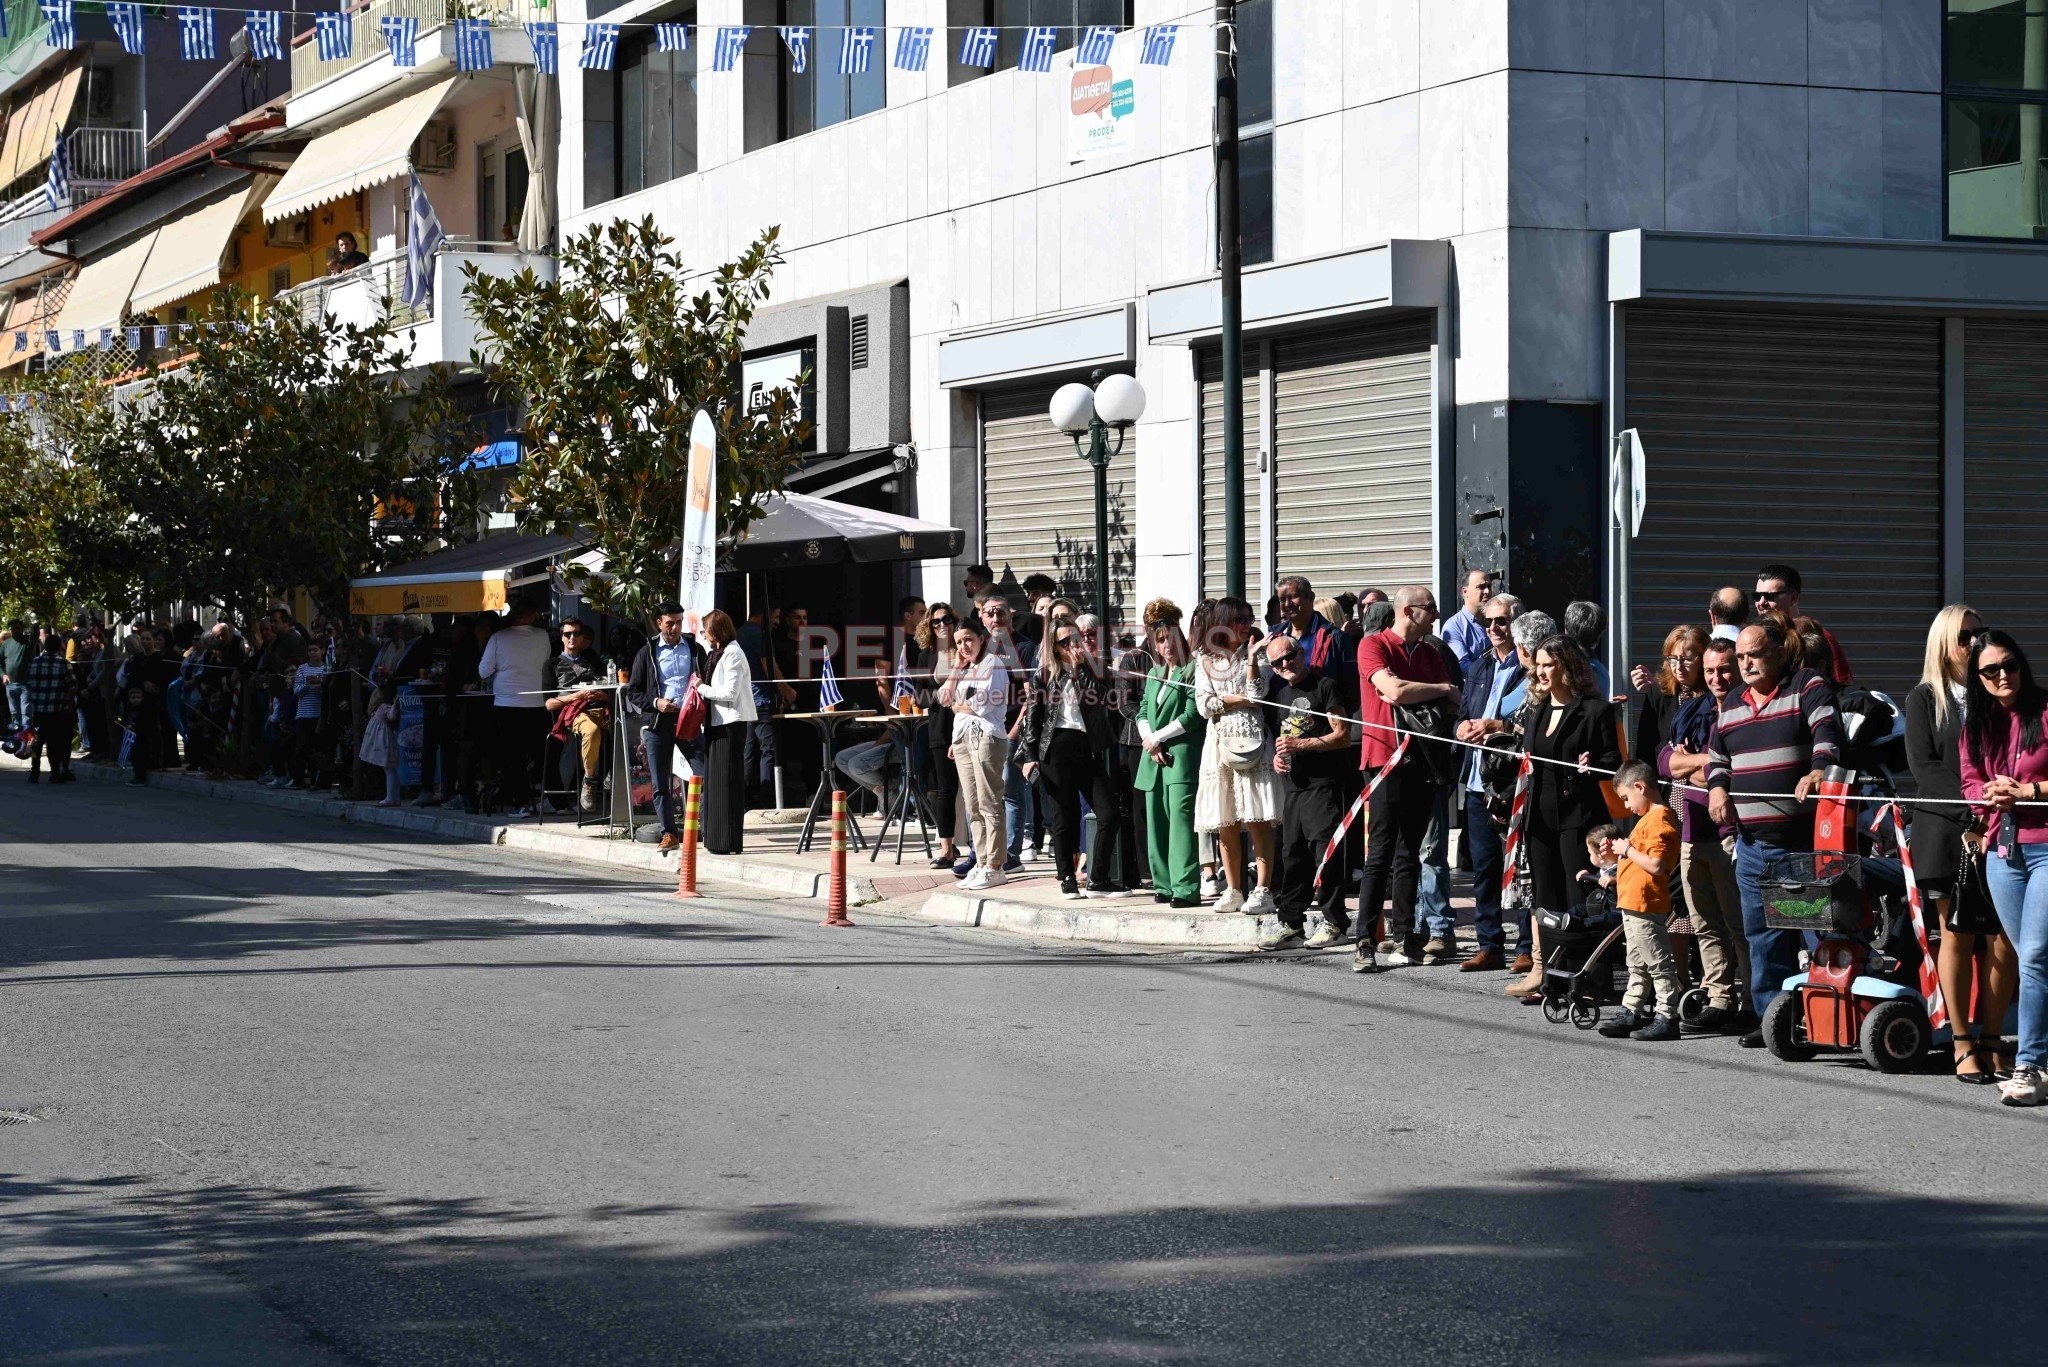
(53, 737)
(1308, 817)
(945, 793)
(521, 734)
(1399, 816)
(725, 787)
(1556, 858)
(1071, 769)
(152, 726)
(1133, 863)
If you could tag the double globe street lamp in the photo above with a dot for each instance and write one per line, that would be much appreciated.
(1112, 406)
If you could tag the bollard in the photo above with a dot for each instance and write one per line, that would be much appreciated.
(686, 858)
(835, 900)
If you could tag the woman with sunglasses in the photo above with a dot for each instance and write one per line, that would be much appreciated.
(2004, 755)
(931, 664)
(1068, 743)
(1975, 959)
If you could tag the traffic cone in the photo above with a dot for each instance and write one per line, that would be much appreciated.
(835, 899)
(686, 862)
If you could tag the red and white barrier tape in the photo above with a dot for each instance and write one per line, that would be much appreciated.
(1344, 826)
(1930, 980)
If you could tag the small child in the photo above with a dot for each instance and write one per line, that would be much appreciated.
(1640, 869)
(380, 739)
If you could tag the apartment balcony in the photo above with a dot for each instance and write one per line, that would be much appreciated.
(439, 331)
(436, 51)
(100, 158)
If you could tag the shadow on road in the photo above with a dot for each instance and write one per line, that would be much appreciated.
(1556, 1267)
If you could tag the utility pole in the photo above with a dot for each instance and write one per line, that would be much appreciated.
(1230, 266)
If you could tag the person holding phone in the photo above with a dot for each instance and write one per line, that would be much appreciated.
(978, 694)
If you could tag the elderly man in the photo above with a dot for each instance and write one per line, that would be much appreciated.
(1777, 735)
(1495, 685)
(1727, 613)
(1310, 761)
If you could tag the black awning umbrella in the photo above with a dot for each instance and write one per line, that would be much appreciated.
(799, 530)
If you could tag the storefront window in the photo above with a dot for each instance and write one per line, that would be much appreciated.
(1997, 82)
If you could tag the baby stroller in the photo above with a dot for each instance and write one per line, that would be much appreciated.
(1578, 969)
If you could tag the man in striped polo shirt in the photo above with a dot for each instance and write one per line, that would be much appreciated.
(1778, 735)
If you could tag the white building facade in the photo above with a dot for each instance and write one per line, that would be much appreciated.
(1482, 237)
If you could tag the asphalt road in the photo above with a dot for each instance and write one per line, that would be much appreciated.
(311, 1095)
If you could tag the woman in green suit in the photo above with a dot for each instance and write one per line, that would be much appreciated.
(1171, 728)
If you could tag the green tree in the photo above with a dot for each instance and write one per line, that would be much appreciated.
(611, 360)
(70, 543)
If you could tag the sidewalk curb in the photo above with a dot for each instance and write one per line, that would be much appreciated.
(1097, 922)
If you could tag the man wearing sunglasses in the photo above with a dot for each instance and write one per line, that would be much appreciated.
(1492, 682)
(579, 670)
(1779, 586)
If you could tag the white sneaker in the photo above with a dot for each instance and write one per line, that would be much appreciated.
(1211, 886)
(976, 880)
(1230, 902)
(2027, 1087)
(990, 878)
(1325, 936)
(1260, 903)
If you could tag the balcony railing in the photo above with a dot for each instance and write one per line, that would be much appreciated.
(99, 157)
(441, 327)
(106, 154)
(308, 70)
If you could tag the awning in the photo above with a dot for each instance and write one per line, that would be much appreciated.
(100, 294)
(190, 247)
(473, 578)
(799, 530)
(33, 127)
(369, 151)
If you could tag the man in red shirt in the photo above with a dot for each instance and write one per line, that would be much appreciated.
(1395, 669)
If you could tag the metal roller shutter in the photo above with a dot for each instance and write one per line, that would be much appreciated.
(1212, 474)
(2005, 474)
(1353, 494)
(1038, 501)
(1813, 439)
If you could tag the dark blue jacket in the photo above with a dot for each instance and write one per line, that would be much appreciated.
(1479, 686)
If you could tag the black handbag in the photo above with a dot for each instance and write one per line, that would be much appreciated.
(1970, 910)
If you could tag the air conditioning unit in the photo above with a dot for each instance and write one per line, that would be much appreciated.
(289, 232)
(434, 153)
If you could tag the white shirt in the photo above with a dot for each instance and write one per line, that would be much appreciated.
(730, 689)
(1067, 709)
(515, 665)
(986, 689)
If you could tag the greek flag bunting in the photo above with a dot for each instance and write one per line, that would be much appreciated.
(402, 36)
(798, 40)
(673, 37)
(1159, 45)
(856, 48)
(266, 35)
(196, 39)
(726, 55)
(78, 339)
(61, 23)
(1039, 42)
(913, 49)
(1095, 45)
(473, 45)
(546, 37)
(133, 337)
(600, 47)
(978, 47)
(106, 339)
(51, 338)
(334, 37)
(21, 341)
(58, 186)
(127, 21)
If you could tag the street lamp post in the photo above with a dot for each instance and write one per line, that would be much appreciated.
(1116, 402)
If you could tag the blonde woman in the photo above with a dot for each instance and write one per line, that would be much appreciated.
(1236, 790)
(1976, 960)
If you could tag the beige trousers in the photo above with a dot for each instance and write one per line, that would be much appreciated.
(1652, 967)
(1707, 869)
(978, 759)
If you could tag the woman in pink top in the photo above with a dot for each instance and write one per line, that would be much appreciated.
(2005, 772)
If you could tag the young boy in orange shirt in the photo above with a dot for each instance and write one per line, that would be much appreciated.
(1641, 869)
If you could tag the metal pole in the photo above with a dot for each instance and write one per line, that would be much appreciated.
(1230, 266)
(1098, 456)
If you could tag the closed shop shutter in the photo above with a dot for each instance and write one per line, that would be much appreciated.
(2005, 475)
(1038, 501)
(1353, 494)
(1213, 572)
(1813, 439)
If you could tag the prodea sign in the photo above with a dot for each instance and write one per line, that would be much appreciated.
(1101, 101)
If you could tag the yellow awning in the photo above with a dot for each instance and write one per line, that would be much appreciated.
(189, 248)
(34, 124)
(478, 577)
(100, 294)
(390, 600)
(369, 151)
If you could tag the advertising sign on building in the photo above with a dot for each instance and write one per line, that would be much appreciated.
(1102, 102)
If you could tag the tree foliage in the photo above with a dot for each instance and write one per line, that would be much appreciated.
(68, 541)
(612, 359)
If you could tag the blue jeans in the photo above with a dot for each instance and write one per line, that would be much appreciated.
(867, 763)
(1020, 808)
(1433, 892)
(17, 705)
(1485, 844)
(1773, 954)
(2021, 896)
(660, 746)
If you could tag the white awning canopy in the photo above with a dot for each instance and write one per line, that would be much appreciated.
(189, 248)
(100, 293)
(369, 151)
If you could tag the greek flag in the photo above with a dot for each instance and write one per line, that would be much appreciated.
(266, 35)
(1095, 45)
(106, 339)
(600, 47)
(473, 45)
(423, 237)
(798, 41)
(78, 339)
(196, 39)
(334, 37)
(51, 338)
(730, 40)
(127, 21)
(402, 36)
(829, 695)
(21, 341)
(978, 47)
(546, 37)
(913, 49)
(62, 30)
(856, 46)
(1039, 42)
(58, 186)
(1159, 45)
(673, 38)
(133, 337)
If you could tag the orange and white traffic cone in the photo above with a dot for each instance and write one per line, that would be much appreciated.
(835, 899)
(686, 861)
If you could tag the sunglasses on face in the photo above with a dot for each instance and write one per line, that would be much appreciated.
(1063, 642)
(1968, 636)
(1768, 595)
(939, 620)
(1998, 669)
(1497, 623)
